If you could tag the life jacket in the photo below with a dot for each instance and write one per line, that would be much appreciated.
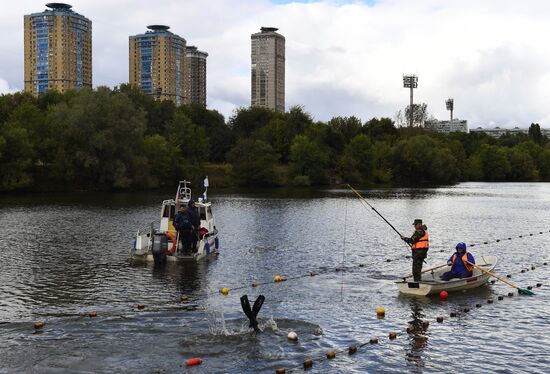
(464, 260)
(423, 242)
(172, 243)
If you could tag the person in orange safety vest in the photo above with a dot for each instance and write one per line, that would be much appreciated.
(420, 243)
(460, 268)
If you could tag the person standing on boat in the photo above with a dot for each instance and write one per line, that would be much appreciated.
(460, 268)
(183, 223)
(195, 222)
(419, 242)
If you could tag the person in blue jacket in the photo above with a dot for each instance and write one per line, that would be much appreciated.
(459, 264)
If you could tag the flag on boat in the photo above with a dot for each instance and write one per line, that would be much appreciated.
(205, 183)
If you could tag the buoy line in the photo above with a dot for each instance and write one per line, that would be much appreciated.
(184, 299)
(421, 326)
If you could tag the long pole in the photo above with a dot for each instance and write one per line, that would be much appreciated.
(373, 208)
(411, 109)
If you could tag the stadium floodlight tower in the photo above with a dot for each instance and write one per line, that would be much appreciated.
(450, 106)
(410, 81)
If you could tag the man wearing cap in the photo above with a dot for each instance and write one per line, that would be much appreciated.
(419, 242)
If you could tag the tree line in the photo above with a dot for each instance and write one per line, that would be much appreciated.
(120, 138)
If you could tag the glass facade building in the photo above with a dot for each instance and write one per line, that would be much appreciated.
(157, 63)
(58, 50)
(268, 69)
(195, 76)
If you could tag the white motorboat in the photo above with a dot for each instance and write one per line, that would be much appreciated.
(163, 244)
(431, 282)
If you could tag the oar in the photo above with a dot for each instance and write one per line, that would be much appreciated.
(521, 291)
(424, 271)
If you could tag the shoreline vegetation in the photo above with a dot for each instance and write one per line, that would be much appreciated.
(121, 139)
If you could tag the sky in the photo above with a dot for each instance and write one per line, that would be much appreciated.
(343, 57)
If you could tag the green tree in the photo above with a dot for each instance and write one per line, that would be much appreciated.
(308, 159)
(246, 120)
(535, 134)
(421, 159)
(254, 163)
(522, 167)
(189, 138)
(494, 162)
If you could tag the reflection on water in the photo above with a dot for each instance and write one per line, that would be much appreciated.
(419, 337)
(65, 255)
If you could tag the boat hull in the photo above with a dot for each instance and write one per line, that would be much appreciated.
(432, 284)
(206, 248)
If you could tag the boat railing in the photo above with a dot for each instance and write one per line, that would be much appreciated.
(146, 229)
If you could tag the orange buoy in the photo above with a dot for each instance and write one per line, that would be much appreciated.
(141, 306)
(92, 314)
(393, 335)
(278, 278)
(184, 297)
(224, 291)
(39, 325)
(193, 361)
(380, 312)
(280, 371)
(331, 355)
(352, 349)
(443, 295)
(308, 363)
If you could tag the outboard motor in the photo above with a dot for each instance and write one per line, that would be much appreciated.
(160, 246)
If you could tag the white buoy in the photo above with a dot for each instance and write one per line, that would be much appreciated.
(292, 336)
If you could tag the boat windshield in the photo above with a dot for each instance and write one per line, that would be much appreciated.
(169, 211)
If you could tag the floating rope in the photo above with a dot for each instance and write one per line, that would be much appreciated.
(419, 326)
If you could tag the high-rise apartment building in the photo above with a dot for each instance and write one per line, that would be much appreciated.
(195, 76)
(157, 60)
(268, 69)
(58, 50)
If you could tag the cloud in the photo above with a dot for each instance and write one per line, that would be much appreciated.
(342, 57)
(5, 87)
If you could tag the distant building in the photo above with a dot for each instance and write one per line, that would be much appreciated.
(195, 76)
(497, 132)
(157, 63)
(268, 69)
(58, 50)
(447, 127)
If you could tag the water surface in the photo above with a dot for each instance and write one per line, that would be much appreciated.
(63, 256)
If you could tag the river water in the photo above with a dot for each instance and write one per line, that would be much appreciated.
(64, 256)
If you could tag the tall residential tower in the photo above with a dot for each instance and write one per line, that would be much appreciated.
(58, 50)
(195, 76)
(268, 69)
(157, 63)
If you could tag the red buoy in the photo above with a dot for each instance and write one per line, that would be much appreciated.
(193, 361)
(443, 295)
